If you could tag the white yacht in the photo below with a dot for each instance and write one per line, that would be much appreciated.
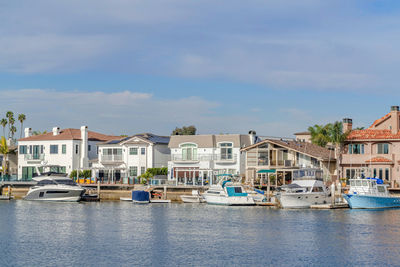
(195, 197)
(228, 193)
(54, 187)
(306, 189)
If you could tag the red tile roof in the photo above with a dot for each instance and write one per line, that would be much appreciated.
(70, 134)
(372, 134)
(378, 121)
(379, 159)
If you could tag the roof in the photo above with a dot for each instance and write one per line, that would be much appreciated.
(69, 134)
(379, 159)
(303, 133)
(372, 134)
(379, 121)
(152, 138)
(307, 148)
(210, 140)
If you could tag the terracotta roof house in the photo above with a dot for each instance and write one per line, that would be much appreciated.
(375, 151)
(283, 157)
(68, 149)
(127, 158)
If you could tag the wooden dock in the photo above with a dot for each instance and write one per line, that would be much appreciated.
(330, 206)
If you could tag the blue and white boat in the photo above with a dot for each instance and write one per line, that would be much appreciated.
(228, 193)
(370, 193)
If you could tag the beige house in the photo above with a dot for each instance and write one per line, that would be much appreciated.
(303, 137)
(374, 152)
(282, 157)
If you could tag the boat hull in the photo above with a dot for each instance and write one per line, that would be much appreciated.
(371, 202)
(55, 194)
(229, 201)
(301, 201)
(191, 199)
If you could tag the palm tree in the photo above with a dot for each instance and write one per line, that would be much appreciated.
(319, 134)
(10, 117)
(13, 130)
(3, 123)
(4, 150)
(338, 137)
(21, 118)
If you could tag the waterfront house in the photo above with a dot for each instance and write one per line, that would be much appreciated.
(303, 137)
(281, 157)
(375, 151)
(70, 149)
(196, 159)
(130, 157)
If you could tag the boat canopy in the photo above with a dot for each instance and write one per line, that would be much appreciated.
(290, 186)
(378, 181)
(267, 171)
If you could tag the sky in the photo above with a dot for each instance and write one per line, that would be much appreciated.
(227, 66)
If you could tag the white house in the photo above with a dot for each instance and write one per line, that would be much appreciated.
(131, 156)
(71, 149)
(199, 158)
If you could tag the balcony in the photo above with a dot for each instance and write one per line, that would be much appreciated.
(110, 159)
(225, 158)
(34, 158)
(192, 158)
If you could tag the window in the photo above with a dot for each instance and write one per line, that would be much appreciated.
(89, 147)
(189, 152)
(380, 173)
(143, 151)
(226, 151)
(142, 170)
(64, 149)
(133, 151)
(356, 149)
(112, 151)
(23, 150)
(53, 149)
(76, 149)
(387, 175)
(133, 171)
(383, 148)
(374, 173)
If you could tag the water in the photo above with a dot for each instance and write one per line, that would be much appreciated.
(124, 234)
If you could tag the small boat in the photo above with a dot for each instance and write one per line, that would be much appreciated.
(160, 201)
(228, 193)
(195, 197)
(306, 189)
(140, 197)
(370, 193)
(257, 195)
(125, 199)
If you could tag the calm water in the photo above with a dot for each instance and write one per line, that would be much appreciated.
(124, 234)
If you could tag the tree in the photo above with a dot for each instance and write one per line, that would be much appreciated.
(338, 137)
(10, 117)
(320, 134)
(21, 118)
(4, 150)
(38, 132)
(4, 123)
(13, 130)
(185, 130)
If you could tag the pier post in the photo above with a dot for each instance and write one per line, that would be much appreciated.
(98, 189)
(333, 194)
(268, 188)
(340, 191)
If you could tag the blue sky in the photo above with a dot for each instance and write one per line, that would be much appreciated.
(124, 67)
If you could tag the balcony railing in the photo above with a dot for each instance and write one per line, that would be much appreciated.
(34, 157)
(111, 158)
(225, 158)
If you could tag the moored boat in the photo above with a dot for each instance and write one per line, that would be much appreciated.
(228, 193)
(370, 193)
(140, 197)
(195, 197)
(306, 189)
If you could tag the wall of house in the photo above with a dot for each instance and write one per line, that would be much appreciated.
(161, 155)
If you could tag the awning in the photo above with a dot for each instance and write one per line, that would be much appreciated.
(267, 171)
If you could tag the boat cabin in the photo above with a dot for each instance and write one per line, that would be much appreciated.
(308, 174)
(368, 186)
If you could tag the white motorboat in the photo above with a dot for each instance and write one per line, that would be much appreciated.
(228, 193)
(306, 189)
(195, 197)
(54, 187)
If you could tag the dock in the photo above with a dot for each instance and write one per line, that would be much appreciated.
(330, 206)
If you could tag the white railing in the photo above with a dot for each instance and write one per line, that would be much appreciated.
(205, 157)
(228, 158)
(109, 158)
(34, 157)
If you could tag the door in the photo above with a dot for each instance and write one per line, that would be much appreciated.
(36, 152)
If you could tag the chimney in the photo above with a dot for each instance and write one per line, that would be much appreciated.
(84, 147)
(347, 125)
(394, 113)
(28, 132)
(252, 135)
(56, 130)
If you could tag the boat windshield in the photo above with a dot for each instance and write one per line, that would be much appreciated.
(65, 181)
(46, 182)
